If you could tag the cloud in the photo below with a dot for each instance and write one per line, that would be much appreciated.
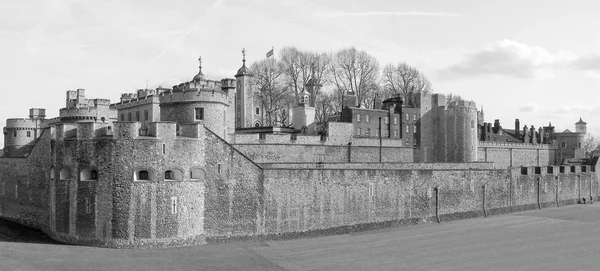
(587, 62)
(528, 108)
(510, 58)
(386, 13)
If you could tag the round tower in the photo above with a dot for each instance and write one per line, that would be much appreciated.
(20, 134)
(457, 132)
(201, 101)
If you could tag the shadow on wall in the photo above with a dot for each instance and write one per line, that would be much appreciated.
(17, 233)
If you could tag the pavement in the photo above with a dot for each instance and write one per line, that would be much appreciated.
(565, 238)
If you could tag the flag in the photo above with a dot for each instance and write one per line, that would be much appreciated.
(270, 53)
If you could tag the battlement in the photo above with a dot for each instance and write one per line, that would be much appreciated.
(196, 95)
(125, 129)
(463, 103)
(24, 123)
(126, 103)
(507, 145)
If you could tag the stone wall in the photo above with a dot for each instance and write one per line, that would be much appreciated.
(505, 155)
(306, 201)
(288, 153)
(233, 191)
(24, 188)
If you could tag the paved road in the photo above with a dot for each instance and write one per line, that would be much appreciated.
(566, 238)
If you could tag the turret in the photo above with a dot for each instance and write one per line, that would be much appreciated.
(580, 126)
(246, 116)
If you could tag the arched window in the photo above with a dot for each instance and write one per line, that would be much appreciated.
(65, 174)
(173, 175)
(197, 174)
(88, 175)
(257, 124)
(143, 175)
(52, 173)
(257, 111)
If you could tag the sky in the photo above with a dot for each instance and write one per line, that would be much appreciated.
(538, 61)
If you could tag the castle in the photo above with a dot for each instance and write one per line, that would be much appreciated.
(193, 164)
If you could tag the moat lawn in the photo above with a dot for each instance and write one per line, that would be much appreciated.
(565, 238)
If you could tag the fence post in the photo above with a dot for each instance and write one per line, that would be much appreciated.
(484, 211)
(557, 193)
(437, 203)
(538, 193)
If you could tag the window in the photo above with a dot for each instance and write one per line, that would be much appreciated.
(197, 174)
(415, 117)
(88, 175)
(377, 132)
(257, 110)
(415, 129)
(65, 174)
(396, 133)
(523, 171)
(550, 170)
(395, 120)
(129, 116)
(14, 133)
(219, 168)
(358, 131)
(145, 114)
(407, 116)
(407, 142)
(173, 205)
(407, 129)
(578, 144)
(366, 118)
(137, 115)
(257, 124)
(386, 134)
(29, 135)
(122, 116)
(473, 124)
(143, 175)
(88, 206)
(357, 117)
(169, 174)
(199, 113)
(387, 120)
(368, 131)
(563, 144)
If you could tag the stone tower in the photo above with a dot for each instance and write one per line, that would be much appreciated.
(244, 103)
(580, 126)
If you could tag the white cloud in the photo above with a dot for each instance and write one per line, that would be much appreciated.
(510, 58)
(387, 13)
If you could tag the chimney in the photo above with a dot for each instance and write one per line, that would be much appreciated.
(496, 125)
(533, 137)
(517, 127)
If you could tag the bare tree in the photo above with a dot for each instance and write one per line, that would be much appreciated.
(272, 91)
(300, 66)
(325, 106)
(590, 144)
(356, 72)
(403, 78)
(453, 98)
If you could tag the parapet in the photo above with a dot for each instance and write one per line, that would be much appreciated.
(227, 83)
(127, 103)
(126, 129)
(514, 145)
(163, 129)
(24, 123)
